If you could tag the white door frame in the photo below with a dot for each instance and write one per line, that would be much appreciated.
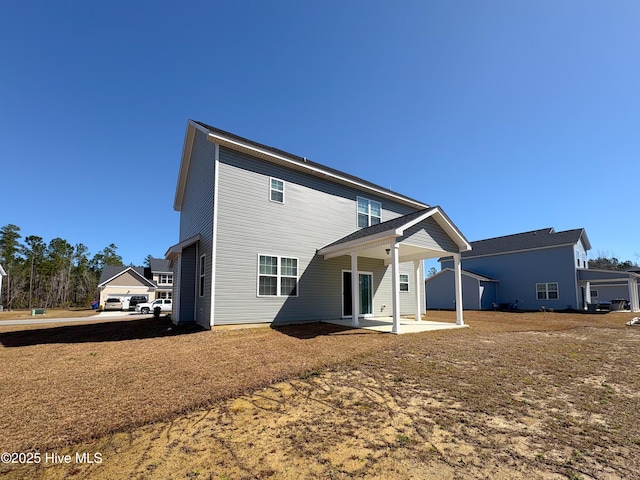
(360, 272)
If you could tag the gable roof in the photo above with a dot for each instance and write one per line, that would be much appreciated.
(535, 239)
(395, 228)
(109, 272)
(280, 157)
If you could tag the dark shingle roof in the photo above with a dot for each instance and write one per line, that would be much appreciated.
(159, 265)
(305, 161)
(110, 271)
(545, 237)
(380, 227)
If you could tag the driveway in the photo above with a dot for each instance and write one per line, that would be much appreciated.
(100, 317)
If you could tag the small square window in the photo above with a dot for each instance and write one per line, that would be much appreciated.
(276, 190)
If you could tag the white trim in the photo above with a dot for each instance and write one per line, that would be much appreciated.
(176, 249)
(419, 279)
(376, 240)
(279, 276)
(271, 189)
(214, 233)
(185, 161)
(395, 286)
(360, 314)
(458, 289)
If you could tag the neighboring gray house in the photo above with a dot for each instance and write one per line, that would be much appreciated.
(531, 270)
(267, 236)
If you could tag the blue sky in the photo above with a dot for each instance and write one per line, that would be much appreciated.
(511, 115)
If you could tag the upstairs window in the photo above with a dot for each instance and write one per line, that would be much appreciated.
(277, 276)
(369, 212)
(547, 291)
(276, 190)
(165, 279)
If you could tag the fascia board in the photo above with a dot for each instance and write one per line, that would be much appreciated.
(347, 247)
(291, 163)
(178, 247)
(185, 161)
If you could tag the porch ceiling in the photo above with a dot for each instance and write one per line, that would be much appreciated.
(406, 252)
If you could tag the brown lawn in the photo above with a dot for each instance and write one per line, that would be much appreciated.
(50, 313)
(536, 395)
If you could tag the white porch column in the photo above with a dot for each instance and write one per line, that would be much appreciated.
(355, 290)
(587, 294)
(633, 295)
(419, 285)
(458, 287)
(395, 294)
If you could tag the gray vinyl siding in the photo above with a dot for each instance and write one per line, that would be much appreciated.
(429, 234)
(196, 217)
(519, 273)
(315, 213)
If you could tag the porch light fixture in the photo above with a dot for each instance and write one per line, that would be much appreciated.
(387, 250)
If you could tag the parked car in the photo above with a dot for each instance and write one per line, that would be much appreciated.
(163, 303)
(136, 299)
(113, 304)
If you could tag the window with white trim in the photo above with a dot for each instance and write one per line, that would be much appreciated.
(164, 295)
(277, 276)
(276, 190)
(369, 212)
(404, 282)
(547, 291)
(202, 277)
(165, 278)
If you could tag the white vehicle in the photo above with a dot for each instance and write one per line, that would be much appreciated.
(163, 303)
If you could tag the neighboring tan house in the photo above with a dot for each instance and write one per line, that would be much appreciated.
(267, 236)
(155, 281)
(540, 269)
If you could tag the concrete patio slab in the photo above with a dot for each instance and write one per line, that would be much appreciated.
(407, 325)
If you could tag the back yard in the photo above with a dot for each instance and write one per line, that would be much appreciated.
(535, 395)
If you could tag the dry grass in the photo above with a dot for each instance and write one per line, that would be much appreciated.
(51, 313)
(514, 396)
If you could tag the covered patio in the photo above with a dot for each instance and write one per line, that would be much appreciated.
(625, 281)
(412, 238)
(407, 325)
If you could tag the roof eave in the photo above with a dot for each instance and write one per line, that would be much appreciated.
(302, 165)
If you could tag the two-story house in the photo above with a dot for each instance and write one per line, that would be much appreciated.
(267, 236)
(122, 282)
(540, 269)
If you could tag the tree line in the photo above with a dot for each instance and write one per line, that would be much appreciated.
(49, 275)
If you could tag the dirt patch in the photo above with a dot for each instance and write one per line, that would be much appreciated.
(492, 401)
